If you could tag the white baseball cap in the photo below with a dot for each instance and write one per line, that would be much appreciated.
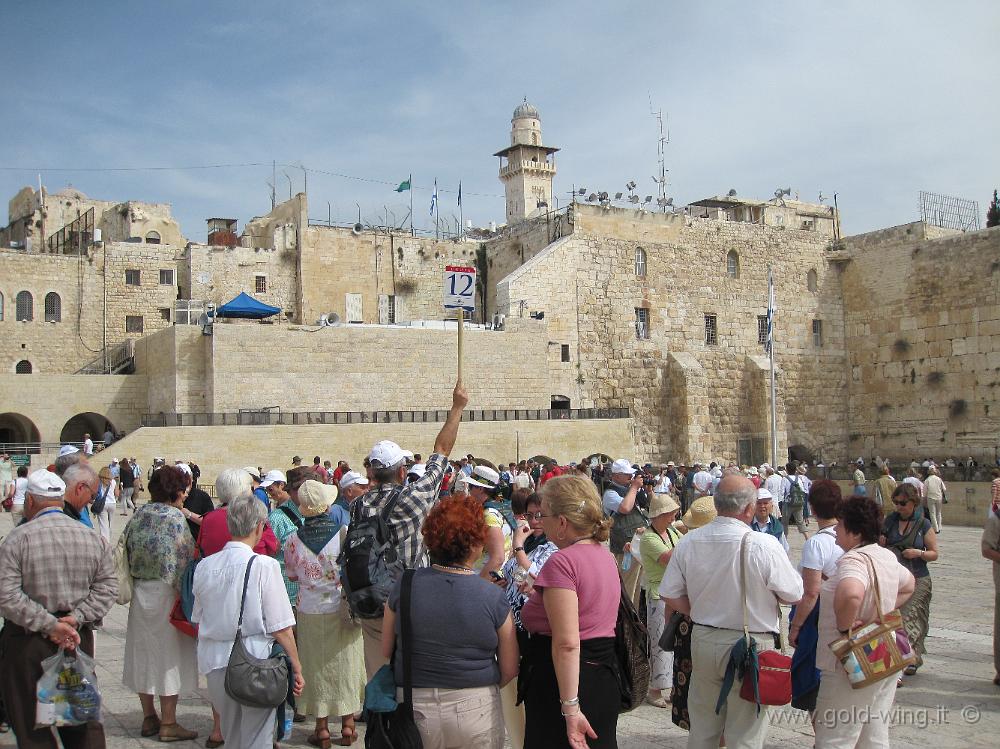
(252, 470)
(763, 493)
(622, 466)
(68, 450)
(387, 454)
(417, 469)
(272, 477)
(185, 468)
(351, 478)
(44, 483)
(484, 477)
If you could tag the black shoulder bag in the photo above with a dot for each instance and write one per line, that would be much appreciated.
(398, 729)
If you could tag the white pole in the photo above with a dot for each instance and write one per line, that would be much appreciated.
(770, 356)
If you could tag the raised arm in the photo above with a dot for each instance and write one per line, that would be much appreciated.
(445, 441)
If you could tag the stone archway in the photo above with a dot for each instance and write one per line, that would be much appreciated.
(84, 423)
(17, 428)
(801, 453)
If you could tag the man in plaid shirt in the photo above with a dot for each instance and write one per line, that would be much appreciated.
(57, 578)
(388, 470)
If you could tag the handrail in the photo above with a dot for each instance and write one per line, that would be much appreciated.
(248, 417)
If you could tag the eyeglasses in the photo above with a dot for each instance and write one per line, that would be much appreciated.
(901, 503)
(539, 515)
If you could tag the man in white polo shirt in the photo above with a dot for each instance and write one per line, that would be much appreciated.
(703, 581)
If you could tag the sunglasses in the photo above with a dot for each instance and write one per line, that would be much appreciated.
(538, 515)
(900, 503)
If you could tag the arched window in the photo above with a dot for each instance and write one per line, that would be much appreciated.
(25, 306)
(152, 237)
(23, 367)
(53, 307)
(811, 280)
(640, 262)
(733, 264)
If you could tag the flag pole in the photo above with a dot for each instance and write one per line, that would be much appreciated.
(461, 324)
(411, 205)
(770, 356)
(437, 214)
(461, 212)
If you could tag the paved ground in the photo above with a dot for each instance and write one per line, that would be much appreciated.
(950, 703)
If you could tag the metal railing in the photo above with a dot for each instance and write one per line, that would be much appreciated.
(37, 448)
(117, 359)
(276, 418)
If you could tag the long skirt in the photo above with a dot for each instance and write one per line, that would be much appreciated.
(159, 659)
(682, 675)
(917, 615)
(598, 691)
(661, 663)
(333, 665)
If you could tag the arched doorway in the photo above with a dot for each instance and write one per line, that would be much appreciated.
(17, 429)
(801, 454)
(85, 423)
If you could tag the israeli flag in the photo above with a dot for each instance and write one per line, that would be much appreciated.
(434, 198)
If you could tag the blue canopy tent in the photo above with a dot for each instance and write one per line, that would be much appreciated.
(247, 307)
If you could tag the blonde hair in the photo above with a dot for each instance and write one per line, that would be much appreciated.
(575, 498)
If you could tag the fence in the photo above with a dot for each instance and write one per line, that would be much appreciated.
(276, 418)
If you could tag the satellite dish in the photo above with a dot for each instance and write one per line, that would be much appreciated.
(618, 196)
(602, 196)
(582, 191)
(648, 199)
(731, 193)
(592, 197)
(357, 229)
(633, 198)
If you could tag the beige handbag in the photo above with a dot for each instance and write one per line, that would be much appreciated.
(877, 650)
(123, 570)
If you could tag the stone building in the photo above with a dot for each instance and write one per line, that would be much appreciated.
(886, 343)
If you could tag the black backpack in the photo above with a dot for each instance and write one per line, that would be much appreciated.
(369, 561)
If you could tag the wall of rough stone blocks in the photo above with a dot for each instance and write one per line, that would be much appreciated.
(923, 332)
(587, 287)
(354, 368)
(49, 401)
(217, 448)
(218, 274)
(150, 300)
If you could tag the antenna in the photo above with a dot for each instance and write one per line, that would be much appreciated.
(661, 143)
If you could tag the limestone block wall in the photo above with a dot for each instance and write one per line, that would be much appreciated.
(217, 448)
(353, 368)
(923, 331)
(49, 401)
(218, 274)
(587, 287)
(175, 363)
(151, 300)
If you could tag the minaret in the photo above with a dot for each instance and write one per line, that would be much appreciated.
(526, 166)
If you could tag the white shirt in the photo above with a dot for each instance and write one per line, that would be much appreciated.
(88, 446)
(110, 501)
(701, 481)
(776, 485)
(612, 500)
(663, 487)
(218, 588)
(20, 487)
(935, 487)
(705, 567)
(820, 552)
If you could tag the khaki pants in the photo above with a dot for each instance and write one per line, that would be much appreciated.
(458, 718)
(513, 715)
(631, 578)
(371, 634)
(738, 719)
(847, 718)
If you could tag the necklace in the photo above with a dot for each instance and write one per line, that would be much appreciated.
(455, 569)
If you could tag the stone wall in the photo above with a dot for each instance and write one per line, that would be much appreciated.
(175, 361)
(218, 274)
(217, 448)
(923, 331)
(586, 286)
(353, 368)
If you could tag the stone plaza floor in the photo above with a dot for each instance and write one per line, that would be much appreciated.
(951, 702)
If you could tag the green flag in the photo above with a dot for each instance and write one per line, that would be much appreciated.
(403, 186)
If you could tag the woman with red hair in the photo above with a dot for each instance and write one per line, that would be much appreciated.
(463, 642)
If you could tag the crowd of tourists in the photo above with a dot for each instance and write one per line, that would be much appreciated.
(488, 597)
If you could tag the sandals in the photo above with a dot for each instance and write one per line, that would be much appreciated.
(314, 739)
(211, 743)
(348, 735)
(910, 670)
(150, 726)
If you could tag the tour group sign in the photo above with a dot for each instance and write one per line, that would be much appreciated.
(460, 295)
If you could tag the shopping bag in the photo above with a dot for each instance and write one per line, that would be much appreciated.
(67, 693)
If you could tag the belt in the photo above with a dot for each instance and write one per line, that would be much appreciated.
(731, 629)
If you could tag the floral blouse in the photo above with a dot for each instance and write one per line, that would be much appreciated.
(158, 543)
(318, 575)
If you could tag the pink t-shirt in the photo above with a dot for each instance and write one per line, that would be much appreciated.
(591, 571)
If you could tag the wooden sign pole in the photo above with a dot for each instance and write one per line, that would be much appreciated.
(461, 324)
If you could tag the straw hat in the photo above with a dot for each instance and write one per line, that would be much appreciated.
(701, 512)
(315, 498)
(661, 504)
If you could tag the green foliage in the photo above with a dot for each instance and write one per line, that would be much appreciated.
(993, 212)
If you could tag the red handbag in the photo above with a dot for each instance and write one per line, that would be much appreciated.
(180, 621)
(774, 680)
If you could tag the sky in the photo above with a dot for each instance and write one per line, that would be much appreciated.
(871, 101)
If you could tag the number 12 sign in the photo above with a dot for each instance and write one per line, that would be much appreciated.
(460, 288)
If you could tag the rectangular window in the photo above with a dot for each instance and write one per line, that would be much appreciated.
(392, 309)
(641, 322)
(165, 314)
(762, 330)
(132, 278)
(711, 330)
(166, 277)
(260, 284)
(353, 307)
(133, 324)
(564, 352)
(818, 333)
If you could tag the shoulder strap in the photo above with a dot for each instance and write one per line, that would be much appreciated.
(406, 634)
(878, 594)
(243, 600)
(743, 585)
(292, 516)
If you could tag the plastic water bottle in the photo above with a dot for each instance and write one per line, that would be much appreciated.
(288, 722)
(626, 562)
